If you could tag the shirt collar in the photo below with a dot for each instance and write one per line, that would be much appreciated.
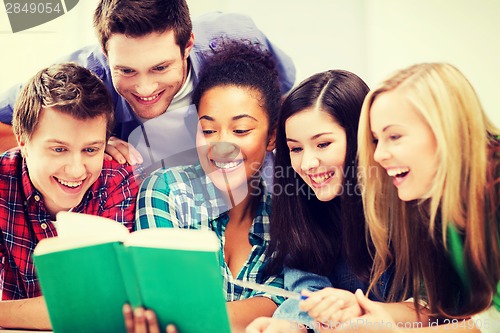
(260, 225)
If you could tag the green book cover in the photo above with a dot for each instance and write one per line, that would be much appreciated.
(89, 271)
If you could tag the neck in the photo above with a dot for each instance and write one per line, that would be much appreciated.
(244, 210)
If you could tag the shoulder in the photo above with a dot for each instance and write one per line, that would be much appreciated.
(218, 21)
(10, 162)
(114, 174)
(177, 179)
(211, 27)
(92, 58)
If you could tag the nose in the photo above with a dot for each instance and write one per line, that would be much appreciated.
(75, 167)
(309, 161)
(226, 150)
(381, 153)
(145, 86)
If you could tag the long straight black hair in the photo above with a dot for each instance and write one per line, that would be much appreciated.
(308, 234)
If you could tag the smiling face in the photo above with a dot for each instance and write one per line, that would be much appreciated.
(317, 146)
(406, 145)
(64, 157)
(148, 71)
(234, 137)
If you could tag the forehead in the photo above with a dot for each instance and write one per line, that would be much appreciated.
(227, 102)
(312, 120)
(123, 50)
(393, 108)
(54, 124)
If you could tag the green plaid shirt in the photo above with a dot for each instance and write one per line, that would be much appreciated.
(185, 197)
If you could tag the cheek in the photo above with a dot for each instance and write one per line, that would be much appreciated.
(119, 83)
(94, 166)
(295, 162)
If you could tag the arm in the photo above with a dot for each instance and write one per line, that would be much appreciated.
(30, 313)
(297, 280)
(242, 312)
(7, 138)
(376, 318)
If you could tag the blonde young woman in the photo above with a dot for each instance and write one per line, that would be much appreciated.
(431, 162)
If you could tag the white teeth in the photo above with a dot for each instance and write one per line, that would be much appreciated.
(224, 165)
(397, 171)
(148, 99)
(322, 178)
(69, 184)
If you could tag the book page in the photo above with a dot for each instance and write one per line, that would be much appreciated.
(173, 238)
(75, 230)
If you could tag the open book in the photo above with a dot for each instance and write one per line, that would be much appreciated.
(95, 266)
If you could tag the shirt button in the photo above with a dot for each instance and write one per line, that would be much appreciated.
(99, 72)
(43, 226)
(213, 44)
(37, 197)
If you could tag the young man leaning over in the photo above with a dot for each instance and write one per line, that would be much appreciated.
(150, 55)
(62, 120)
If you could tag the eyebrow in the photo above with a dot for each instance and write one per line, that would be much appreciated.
(164, 62)
(59, 142)
(238, 117)
(314, 137)
(386, 128)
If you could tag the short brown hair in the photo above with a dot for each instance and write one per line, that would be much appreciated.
(137, 18)
(70, 89)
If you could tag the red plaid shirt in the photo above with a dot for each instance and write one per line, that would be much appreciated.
(24, 220)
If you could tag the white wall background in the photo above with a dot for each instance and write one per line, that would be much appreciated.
(369, 37)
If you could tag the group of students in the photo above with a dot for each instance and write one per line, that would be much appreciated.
(382, 207)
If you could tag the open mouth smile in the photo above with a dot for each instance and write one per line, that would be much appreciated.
(226, 165)
(70, 184)
(320, 179)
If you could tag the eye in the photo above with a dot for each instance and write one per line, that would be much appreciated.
(126, 71)
(323, 145)
(91, 150)
(208, 132)
(58, 149)
(295, 150)
(241, 131)
(394, 137)
(375, 141)
(160, 68)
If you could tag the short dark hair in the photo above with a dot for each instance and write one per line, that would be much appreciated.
(242, 64)
(68, 88)
(137, 18)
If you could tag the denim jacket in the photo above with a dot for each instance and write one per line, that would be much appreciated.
(343, 278)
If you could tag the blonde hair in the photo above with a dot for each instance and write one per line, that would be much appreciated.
(450, 106)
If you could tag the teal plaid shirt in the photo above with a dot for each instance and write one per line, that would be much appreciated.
(185, 197)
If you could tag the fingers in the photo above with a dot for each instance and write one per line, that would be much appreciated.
(367, 305)
(129, 318)
(121, 151)
(141, 321)
(140, 325)
(330, 306)
(258, 325)
(152, 322)
(171, 329)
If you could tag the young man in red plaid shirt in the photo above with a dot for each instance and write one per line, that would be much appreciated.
(62, 121)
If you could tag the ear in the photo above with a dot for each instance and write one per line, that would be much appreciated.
(189, 46)
(104, 52)
(271, 140)
(21, 144)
